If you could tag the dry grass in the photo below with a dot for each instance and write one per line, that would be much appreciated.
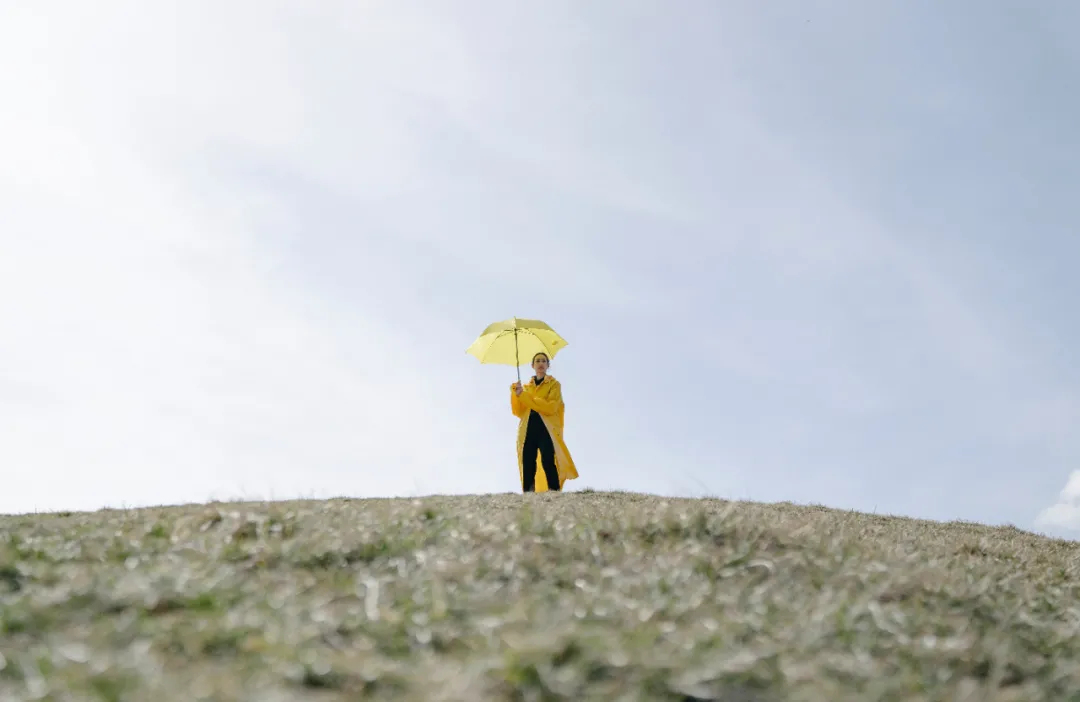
(540, 597)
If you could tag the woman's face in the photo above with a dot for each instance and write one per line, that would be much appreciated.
(540, 365)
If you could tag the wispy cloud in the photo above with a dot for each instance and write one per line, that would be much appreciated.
(1065, 513)
(157, 346)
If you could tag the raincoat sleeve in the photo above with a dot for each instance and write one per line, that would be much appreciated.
(548, 406)
(516, 405)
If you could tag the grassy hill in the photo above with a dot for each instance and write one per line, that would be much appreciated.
(576, 596)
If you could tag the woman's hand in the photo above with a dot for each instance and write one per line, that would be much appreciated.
(518, 389)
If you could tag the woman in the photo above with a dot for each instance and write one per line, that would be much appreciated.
(539, 406)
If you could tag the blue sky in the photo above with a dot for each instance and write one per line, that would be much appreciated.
(816, 251)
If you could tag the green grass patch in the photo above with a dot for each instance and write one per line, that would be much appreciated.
(586, 595)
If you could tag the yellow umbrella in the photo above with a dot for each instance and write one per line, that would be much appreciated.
(507, 342)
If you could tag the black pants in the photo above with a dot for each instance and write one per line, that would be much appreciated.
(538, 439)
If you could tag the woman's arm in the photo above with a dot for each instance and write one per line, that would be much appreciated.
(549, 405)
(516, 406)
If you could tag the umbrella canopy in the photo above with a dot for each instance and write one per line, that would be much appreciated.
(514, 341)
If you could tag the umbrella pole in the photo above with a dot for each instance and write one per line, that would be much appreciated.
(516, 357)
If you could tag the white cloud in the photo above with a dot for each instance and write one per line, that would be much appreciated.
(1065, 513)
(170, 358)
(155, 347)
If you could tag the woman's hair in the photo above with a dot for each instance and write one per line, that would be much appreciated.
(541, 353)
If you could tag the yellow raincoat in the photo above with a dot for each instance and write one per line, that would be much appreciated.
(548, 403)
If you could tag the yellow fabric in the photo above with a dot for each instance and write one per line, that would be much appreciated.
(496, 343)
(548, 402)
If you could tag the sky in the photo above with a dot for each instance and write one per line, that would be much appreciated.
(817, 252)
